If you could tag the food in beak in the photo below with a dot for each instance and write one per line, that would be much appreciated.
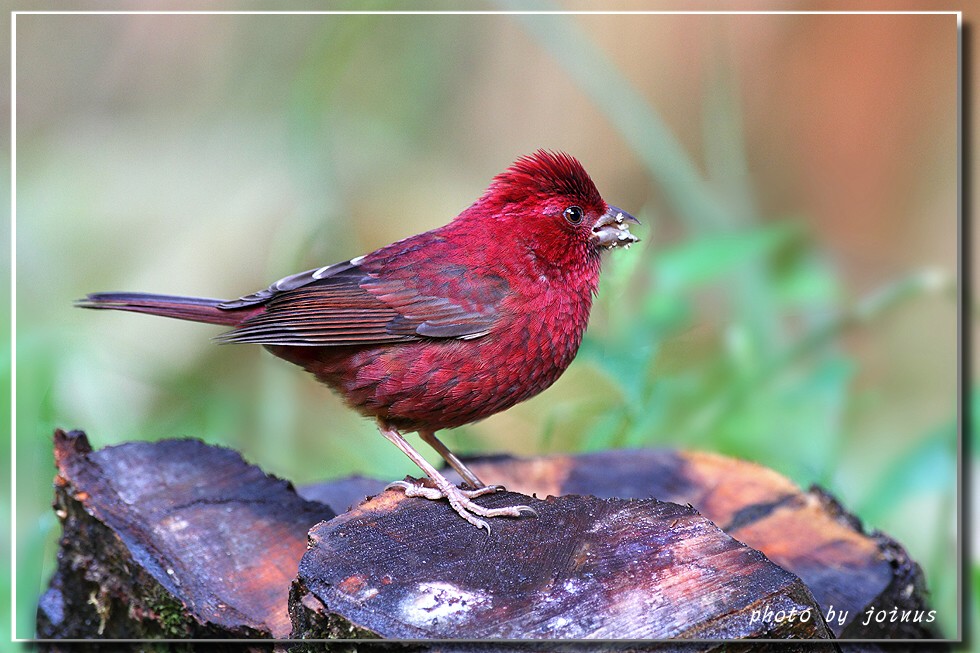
(613, 230)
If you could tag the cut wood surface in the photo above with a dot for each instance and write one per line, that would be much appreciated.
(583, 568)
(172, 539)
(805, 532)
(180, 539)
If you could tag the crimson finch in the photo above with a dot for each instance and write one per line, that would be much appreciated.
(443, 328)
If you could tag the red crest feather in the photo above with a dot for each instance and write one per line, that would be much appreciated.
(546, 173)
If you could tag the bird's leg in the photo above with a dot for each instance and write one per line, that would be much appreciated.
(468, 476)
(461, 500)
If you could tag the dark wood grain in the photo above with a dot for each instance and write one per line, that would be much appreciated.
(807, 532)
(583, 568)
(172, 538)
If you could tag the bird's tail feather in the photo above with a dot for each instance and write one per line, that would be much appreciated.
(195, 309)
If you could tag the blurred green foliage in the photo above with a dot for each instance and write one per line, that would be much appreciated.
(729, 336)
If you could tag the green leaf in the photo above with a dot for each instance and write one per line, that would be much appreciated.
(712, 257)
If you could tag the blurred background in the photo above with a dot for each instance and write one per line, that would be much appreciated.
(792, 301)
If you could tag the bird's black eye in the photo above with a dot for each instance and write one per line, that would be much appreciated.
(573, 214)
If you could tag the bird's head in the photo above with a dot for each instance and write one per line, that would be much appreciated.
(548, 201)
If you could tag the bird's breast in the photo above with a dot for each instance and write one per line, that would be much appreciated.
(548, 325)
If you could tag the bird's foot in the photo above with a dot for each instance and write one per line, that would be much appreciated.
(462, 500)
(420, 489)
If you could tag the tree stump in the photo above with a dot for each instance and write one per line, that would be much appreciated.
(179, 539)
(171, 539)
(583, 568)
(806, 532)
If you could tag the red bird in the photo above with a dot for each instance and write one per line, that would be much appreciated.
(444, 328)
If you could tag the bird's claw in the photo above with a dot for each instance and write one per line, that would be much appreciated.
(480, 491)
(420, 489)
(462, 501)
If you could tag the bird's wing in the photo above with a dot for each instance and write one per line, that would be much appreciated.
(354, 304)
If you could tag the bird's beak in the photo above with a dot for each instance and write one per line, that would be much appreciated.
(613, 230)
